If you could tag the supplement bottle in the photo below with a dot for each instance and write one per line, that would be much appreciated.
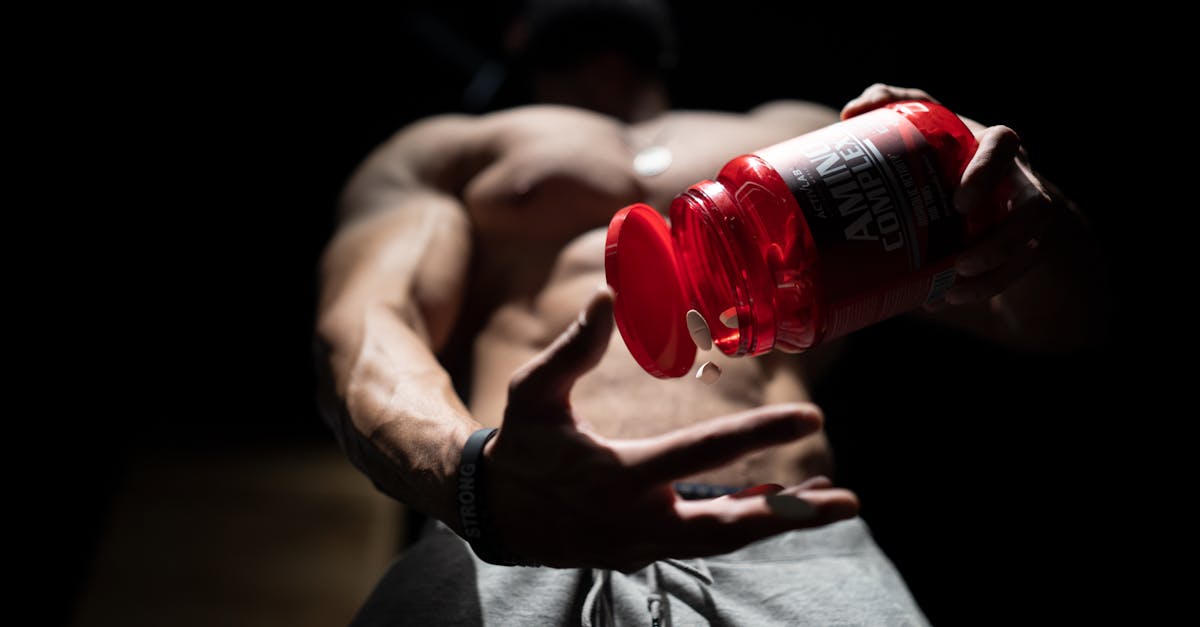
(797, 243)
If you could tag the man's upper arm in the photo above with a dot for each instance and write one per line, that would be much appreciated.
(439, 153)
(404, 237)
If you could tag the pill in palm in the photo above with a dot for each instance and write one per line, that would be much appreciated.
(791, 507)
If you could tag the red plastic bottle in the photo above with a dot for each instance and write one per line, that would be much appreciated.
(806, 240)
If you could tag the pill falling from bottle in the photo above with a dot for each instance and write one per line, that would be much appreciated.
(698, 328)
(729, 318)
(708, 372)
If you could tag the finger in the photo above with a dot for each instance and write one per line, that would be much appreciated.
(815, 483)
(772, 488)
(993, 161)
(546, 379)
(717, 442)
(878, 95)
(936, 306)
(1024, 224)
(987, 285)
(723, 525)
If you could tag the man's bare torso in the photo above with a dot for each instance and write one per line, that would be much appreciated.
(539, 209)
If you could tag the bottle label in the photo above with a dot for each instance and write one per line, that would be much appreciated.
(884, 224)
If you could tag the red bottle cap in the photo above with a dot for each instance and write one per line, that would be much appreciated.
(650, 307)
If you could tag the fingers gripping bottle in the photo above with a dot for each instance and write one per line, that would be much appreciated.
(797, 243)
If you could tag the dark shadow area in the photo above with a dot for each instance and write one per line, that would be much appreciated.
(984, 473)
(981, 471)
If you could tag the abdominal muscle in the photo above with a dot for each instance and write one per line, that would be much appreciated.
(617, 399)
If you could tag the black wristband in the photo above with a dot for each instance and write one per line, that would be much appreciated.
(473, 509)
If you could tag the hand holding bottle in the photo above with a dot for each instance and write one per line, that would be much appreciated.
(997, 181)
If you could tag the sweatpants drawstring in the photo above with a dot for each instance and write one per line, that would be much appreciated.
(597, 605)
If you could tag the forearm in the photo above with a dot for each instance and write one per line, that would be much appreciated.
(393, 408)
(1061, 304)
(1064, 303)
(391, 287)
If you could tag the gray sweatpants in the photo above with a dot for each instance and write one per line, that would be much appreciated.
(835, 575)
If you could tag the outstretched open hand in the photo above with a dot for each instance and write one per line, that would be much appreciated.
(561, 495)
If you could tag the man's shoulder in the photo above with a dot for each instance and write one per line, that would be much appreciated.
(802, 111)
(786, 117)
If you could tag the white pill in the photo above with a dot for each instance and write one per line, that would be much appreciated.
(708, 372)
(729, 318)
(699, 330)
(791, 507)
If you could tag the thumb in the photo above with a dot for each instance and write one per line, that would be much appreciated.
(546, 380)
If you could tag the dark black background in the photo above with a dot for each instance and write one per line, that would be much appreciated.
(223, 141)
